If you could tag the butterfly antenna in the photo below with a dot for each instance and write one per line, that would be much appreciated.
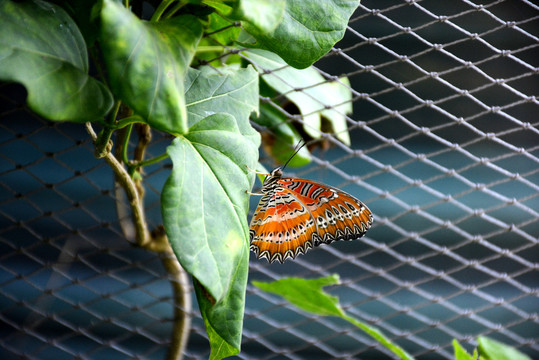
(298, 147)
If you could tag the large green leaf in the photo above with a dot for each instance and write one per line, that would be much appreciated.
(204, 201)
(204, 207)
(42, 48)
(307, 31)
(331, 100)
(229, 90)
(262, 15)
(147, 63)
(309, 296)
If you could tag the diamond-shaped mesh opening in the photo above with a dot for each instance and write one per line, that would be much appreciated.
(444, 151)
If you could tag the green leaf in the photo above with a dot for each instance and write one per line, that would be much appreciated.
(204, 207)
(316, 97)
(494, 350)
(42, 48)
(220, 33)
(224, 37)
(231, 90)
(309, 296)
(204, 201)
(461, 354)
(147, 63)
(306, 294)
(224, 320)
(339, 99)
(282, 137)
(262, 15)
(86, 14)
(307, 31)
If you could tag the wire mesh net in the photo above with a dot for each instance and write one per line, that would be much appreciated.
(444, 150)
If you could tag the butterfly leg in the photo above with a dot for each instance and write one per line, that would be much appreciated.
(256, 172)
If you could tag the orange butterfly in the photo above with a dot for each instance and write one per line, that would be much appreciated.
(295, 215)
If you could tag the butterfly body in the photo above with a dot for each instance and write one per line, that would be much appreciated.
(295, 215)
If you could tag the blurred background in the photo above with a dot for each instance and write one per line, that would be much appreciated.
(444, 150)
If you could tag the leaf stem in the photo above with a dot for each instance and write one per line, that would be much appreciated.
(377, 335)
(160, 10)
(130, 120)
(103, 144)
(125, 144)
(203, 49)
(150, 161)
(175, 9)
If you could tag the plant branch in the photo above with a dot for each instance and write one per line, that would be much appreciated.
(182, 297)
(141, 228)
(103, 144)
(145, 136)
(157, 242)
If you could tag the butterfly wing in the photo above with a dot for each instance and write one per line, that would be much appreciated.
(301, 214)
(337, 215)
(281, 227)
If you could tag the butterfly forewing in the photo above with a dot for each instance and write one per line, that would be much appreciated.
(295, 215)
(281, 227)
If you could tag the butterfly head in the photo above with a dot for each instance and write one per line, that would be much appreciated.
(277, 172)
(271, 180)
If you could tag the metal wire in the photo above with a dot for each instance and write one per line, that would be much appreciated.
(444, 150)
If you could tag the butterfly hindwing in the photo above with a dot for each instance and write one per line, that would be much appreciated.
(295, 215)
(337, 215)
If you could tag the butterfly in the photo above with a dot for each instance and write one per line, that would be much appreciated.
(295, 215)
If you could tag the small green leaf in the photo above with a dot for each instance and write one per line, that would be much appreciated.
(231, 90)
(307, 31)
(224, 37)
(309, 296)
(494, 350)
(262, 15)
(306, 294)
(147, 63)
(204, 206)
(53, 68)
(460, 352)
(284, 137)
(316, 97)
